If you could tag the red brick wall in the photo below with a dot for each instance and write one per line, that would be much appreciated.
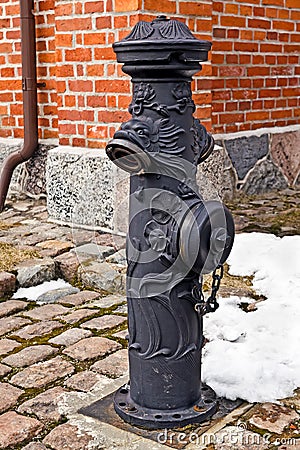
(11, 111)
(251, 83)
(93, 92)
(255, 64)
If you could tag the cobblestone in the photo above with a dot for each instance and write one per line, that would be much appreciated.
(45, 406)
(115, 365)
(272, 417)
(78, 315)
(97, 360)
(15, 429)
(12, 324)
(80, 298)
(70, 337)
(67, 265)
(56, 294)
(54, 247)
(92, 347)
(7, 283)
(4, 370)
(7, 346)
(107, 302)
(100, 275)
(37, 329)
(82, 381)
(46, 312)
(41, 374)
(104, 322)
(35, 271)
(35, 446)
(11, 306)
(68, 437)
(30, 355)
(8, 396)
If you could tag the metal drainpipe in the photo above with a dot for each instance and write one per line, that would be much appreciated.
(29, 86)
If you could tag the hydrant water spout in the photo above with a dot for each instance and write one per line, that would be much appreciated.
(174, 236)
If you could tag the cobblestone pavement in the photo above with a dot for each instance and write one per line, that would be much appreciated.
(66, 349)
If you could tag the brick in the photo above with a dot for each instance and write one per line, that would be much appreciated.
(41, 374)
(94, 39)
(270, 93)
(273, 2)
(79, 54)
(8, 396)
(195, 8)
(233, 21)
(231, 118)
(112, 86)
(292, 4)
(93, 7)
(258, 71)
(232, 71)
(219, 32)
(45, 406)
(91, 348)
(15, 429)
(249, 47)
(257, 115)
(81, 85)
(246, 35)
(74, 24)
(282, 25)
(282, 70)
(63, 40)
(68, 437)
(165, 6)
(259, 23)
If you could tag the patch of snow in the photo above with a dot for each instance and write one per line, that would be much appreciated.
(255, 356)
(32, 293)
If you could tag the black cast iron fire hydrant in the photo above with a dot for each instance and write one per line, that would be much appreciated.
(174, 236)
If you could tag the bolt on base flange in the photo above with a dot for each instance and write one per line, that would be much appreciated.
(152, 419)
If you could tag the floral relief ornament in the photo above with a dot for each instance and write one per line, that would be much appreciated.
(164, 206)
(155, 236)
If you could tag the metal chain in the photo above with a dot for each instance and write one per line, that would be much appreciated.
(210, 305)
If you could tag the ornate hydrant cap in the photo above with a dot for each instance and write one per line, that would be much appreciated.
(162, 41)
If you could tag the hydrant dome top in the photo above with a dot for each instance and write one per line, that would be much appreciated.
(157, 40)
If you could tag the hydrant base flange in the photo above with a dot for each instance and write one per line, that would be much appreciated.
(149, 418)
